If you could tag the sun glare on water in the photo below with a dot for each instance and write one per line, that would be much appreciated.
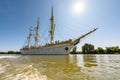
(78, 7)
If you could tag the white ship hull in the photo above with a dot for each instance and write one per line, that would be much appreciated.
(56, 49)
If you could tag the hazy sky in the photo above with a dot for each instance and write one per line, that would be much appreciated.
(16, 16)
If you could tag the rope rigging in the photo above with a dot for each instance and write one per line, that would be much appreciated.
(62, 33)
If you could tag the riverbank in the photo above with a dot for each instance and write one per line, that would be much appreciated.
(10, 52)
(93, 53)
(70, 53)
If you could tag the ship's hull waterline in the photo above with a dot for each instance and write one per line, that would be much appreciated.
(56, 49)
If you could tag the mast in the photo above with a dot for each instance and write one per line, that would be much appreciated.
(29, 37)
(36, 36)
(52, 26)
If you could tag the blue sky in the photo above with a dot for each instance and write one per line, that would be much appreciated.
(16, 16)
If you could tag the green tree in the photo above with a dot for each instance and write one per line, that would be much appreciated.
(119, 51)
(115, 49)
(100, 50)
(11, 52)
(87, 48)
(111, 50)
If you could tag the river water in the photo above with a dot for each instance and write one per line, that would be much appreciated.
(60, 67)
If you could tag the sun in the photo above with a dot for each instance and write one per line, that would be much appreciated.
(78, 7)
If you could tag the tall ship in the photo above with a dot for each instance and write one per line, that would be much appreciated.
(53, 47)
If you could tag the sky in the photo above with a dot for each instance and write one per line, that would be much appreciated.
(71, 21)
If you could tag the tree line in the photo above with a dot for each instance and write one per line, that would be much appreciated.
(89, 48)
(10, 52)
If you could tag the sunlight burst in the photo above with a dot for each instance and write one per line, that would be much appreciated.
(78, 7)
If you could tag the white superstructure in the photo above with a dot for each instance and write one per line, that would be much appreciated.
(63, 47)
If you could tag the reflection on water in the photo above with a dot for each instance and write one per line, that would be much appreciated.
(59, 67)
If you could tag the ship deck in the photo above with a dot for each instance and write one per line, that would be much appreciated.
(47, 45)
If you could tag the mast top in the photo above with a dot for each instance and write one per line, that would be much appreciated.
(52, 15)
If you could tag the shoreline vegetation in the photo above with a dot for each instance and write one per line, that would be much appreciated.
(10, 52)
(86, 49)
(90, 49)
